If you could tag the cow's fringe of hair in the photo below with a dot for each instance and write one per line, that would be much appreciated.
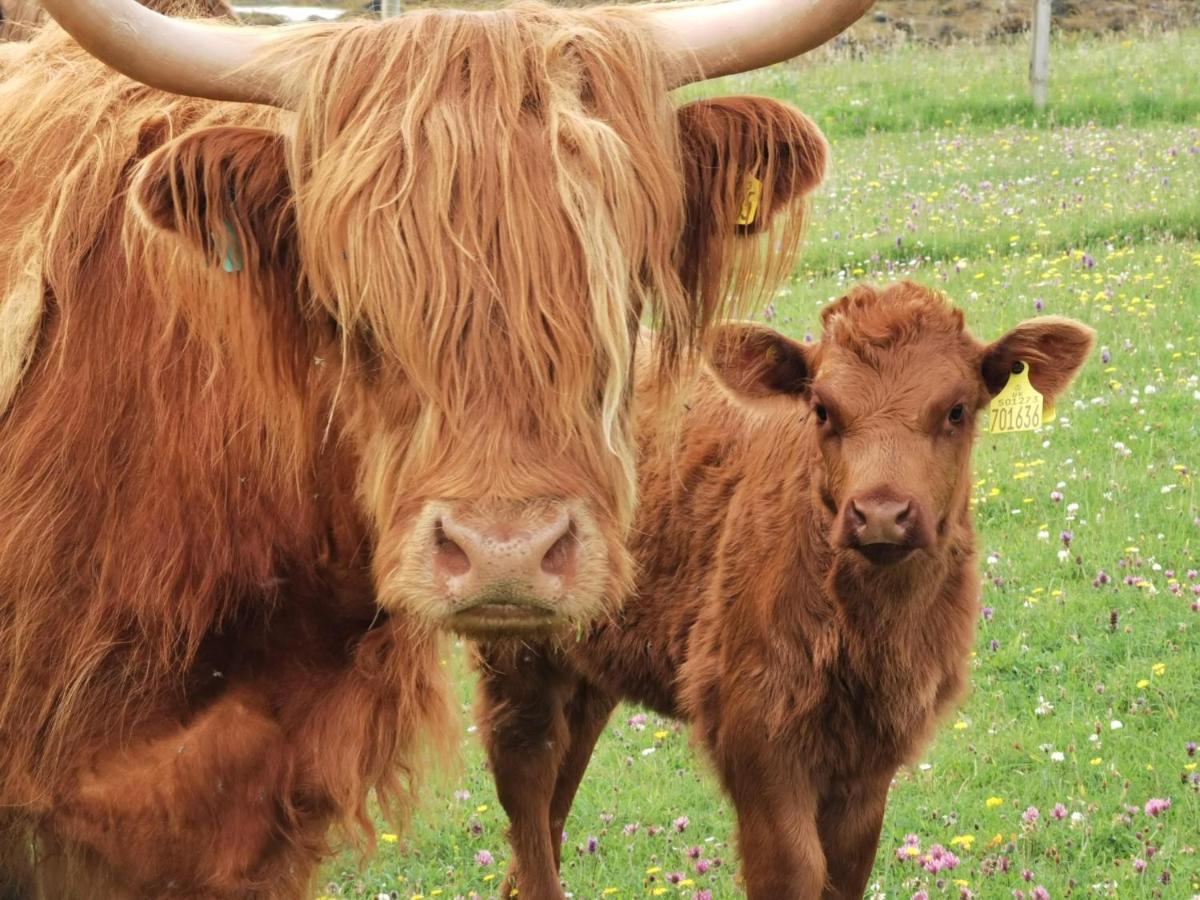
(585, 217)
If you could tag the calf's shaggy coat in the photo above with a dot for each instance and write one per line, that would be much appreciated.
(807, 587)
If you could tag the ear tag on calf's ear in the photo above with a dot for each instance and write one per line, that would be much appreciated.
(749, 211)
(1018, 407)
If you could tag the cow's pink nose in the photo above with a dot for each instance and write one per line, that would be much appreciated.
(517, 561)
(881, 521)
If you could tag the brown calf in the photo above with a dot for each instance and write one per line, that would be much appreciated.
(807, 590)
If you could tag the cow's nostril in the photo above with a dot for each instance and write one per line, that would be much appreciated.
(857, 519)
(560, 558)
(903, 516)
(448, 557)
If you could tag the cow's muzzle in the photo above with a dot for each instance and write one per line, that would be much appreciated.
(508, 573)
(885, 527)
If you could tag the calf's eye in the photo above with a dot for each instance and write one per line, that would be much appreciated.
(822, 413)
(957, 413)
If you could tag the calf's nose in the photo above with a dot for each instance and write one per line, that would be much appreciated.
(531, 561)
(876, 520)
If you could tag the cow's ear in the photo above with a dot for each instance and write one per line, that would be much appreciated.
(758, 363)
(748, 163)
(224, 190)
(1054, 348)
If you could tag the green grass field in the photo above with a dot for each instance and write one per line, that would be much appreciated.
(1085, 678)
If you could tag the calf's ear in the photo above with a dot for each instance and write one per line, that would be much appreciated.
(748, 163)
(225, 191)
(757, 363)
(1054, 348)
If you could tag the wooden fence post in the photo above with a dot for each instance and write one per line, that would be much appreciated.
(1039, 67)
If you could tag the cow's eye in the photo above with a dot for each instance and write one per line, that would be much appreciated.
(957, 413)
(822, 413)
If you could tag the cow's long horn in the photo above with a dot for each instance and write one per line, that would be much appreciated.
(724, 38)
(176, 55)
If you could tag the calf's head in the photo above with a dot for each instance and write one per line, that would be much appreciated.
(464, 217)
(890, 396)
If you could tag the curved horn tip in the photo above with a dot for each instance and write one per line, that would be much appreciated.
(176, 55)
(734, 36)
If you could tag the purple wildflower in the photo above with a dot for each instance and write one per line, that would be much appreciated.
(1156, 806)
(483, 858)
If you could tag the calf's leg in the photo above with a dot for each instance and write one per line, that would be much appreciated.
(780, 848)
(850, 819)
(587, 714)
(521, 703)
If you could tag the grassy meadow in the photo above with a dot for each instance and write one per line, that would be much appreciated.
(1070, 770)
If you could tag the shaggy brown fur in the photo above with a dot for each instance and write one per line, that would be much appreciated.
(809, 672)
(216, 632)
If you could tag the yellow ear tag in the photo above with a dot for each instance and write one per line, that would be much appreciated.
(1019, 407)
(749, 210)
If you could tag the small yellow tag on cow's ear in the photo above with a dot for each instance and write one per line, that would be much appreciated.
(1047, 412)
(749, 210)
(1019, 407)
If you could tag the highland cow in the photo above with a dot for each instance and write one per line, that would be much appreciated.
(807, 590)
(289, 389)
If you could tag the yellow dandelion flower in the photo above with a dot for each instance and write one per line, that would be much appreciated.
(993, 802)
(1159, 669)
(389, 838)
